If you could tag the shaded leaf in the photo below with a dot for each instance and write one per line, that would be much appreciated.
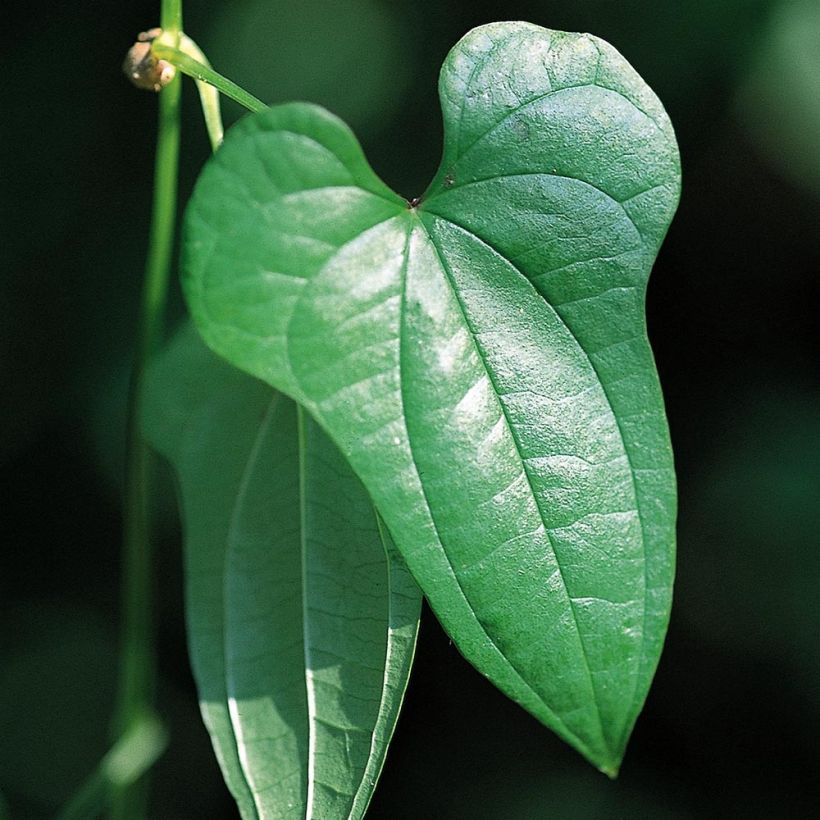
(302, 628)
(480, 356)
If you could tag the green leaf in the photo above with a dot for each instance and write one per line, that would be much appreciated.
(302, 618)
(480, 356)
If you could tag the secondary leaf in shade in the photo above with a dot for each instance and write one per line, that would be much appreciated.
(480, 354)
(332, 621)
(204, 416)
(302, 618)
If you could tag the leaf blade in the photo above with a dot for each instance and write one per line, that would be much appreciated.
(358, 692)
(634, 188)
(244, 545)
(412, 321)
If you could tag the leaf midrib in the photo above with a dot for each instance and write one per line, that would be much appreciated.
(310, 691)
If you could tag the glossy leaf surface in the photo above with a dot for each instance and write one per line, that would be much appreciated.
(302, 618)
(480, 356)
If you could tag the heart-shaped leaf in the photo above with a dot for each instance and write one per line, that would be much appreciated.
(302, 622)
(480, 354)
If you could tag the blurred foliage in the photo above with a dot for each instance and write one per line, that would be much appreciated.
(731, 723)
(780, 100)
(53, 733)
(313, 51)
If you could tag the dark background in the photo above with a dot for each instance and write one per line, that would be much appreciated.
(731, 725)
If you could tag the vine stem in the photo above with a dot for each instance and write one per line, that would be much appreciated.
(139, 737)
(137, 673)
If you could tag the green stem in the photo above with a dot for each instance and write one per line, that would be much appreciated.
(199, 71)
(137, 675)
(170, 20)
(120, 776)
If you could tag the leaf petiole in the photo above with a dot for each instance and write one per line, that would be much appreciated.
(208, 94)
(202, 72)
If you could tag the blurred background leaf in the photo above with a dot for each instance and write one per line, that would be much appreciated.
(351, 56)
(731, 723)
(780, 98)
(53, 735)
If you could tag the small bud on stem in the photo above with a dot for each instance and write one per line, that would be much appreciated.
(143, 68)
